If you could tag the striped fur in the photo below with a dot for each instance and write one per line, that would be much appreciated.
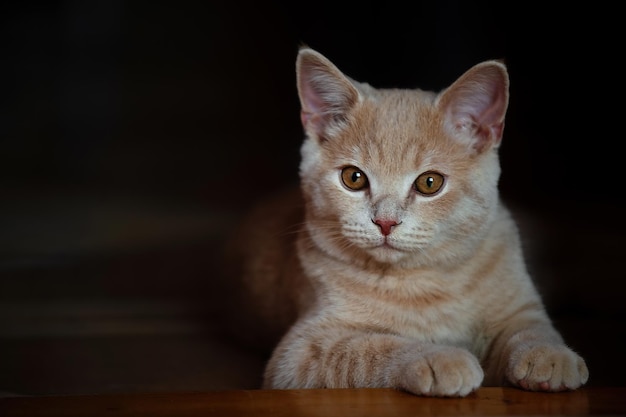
(439, 305)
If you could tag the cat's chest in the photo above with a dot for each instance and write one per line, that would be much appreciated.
(424, 309)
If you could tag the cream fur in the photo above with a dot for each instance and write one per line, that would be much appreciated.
(442, 304)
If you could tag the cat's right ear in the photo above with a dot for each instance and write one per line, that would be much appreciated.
(326, 94)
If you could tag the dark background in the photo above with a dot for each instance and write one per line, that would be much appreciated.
(134, 134)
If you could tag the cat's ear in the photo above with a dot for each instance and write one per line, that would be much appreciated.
(474, 106)
(326, 94)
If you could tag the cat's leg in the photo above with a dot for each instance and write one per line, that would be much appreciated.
(536, 359)
(339, 357)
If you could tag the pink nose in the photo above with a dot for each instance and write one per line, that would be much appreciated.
(385, 225)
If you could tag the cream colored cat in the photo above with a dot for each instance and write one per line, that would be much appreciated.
(396, 265)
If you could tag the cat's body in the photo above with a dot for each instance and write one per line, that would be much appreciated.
(396, 265)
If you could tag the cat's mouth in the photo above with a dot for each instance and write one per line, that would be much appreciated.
(387, 252)
(387, 245)
(383, 247)
(382, 243)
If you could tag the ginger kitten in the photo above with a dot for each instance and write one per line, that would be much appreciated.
(395, 264)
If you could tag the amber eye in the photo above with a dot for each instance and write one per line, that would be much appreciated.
(429, 183)
(354, 178)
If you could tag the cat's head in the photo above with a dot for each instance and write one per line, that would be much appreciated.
(398, 176)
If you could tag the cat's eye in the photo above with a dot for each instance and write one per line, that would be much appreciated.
(354, 178)
(429, 183)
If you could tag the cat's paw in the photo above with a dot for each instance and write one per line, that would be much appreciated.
(543, 367)
(442, 372)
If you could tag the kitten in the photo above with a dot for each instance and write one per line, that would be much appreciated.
(396, 264)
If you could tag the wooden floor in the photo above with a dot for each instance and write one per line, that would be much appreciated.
(326, 403)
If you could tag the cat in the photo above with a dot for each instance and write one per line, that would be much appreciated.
(395, 264)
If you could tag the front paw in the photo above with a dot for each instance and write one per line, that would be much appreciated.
(544, 367)
(442, 372)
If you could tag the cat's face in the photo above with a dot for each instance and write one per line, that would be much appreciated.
(399, 177)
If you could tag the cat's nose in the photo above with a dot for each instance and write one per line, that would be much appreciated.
(385, 225)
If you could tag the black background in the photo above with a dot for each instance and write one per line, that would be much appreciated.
(193, 97)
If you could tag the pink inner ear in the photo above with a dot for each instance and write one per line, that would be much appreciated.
(312, 105)
(479, 104)
(326, 95)
(311, 99)
(313, 109)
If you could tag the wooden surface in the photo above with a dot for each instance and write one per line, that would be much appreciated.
(326, 403)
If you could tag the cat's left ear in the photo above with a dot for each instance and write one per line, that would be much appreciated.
(475, 105)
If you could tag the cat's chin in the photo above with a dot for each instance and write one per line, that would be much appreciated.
(387, 254)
